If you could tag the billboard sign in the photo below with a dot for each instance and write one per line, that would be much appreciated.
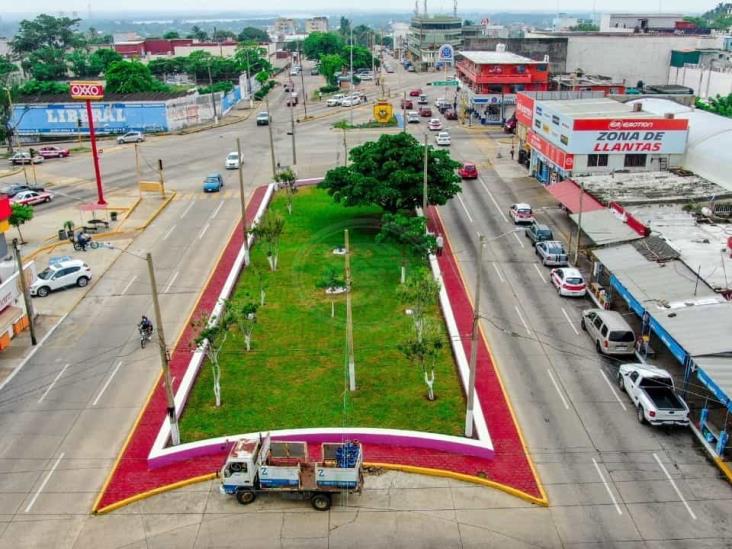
(446, 54)
(628, 135)
(554, 154)
(524, 109)
(90, 90)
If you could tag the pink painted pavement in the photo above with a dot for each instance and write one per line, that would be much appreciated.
(511, 467)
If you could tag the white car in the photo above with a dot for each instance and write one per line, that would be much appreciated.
(28, 198)
(569, 282)
(25, 158)
(72, 272)
(350, 101)
(413, 117)
(368, 75)
(334, 101)
(131, 137)
(435, 125)
(233, 160)
(521, 213)
(443, 139)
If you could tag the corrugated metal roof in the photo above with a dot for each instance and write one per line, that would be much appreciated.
(655, 248)
(702, 330)
(718, 370)
(496, 58)
(604, 228)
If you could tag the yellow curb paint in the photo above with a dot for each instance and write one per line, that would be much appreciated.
(500, 380)
(719, 462)
(153, 492)
(157, 212)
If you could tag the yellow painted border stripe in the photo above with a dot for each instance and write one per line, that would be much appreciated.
(126, 443)
(544, 499)
(157, 212)
(720, 463)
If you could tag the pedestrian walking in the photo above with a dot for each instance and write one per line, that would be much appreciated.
(512, 151)
(320, 96)
(439, 243)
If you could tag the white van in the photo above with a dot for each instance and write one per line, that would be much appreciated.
(610, 332)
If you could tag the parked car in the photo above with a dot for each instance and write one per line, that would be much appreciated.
(435, 125)
(538, 232)
(263, 119)
(28, 198)
(440, 102)
(450, 114)
(335, 100)
(388, 68)
(407, 104)
(25, 158)
(610, 332)
(412, 117)
(416, 92)
(443, 139)
(468, 171)
(62, 274)
(52, 151)
(410, 68)
(521, 213)
(425, 112)
(569, 282)
(422, 100)
(552, 253)
(213, 183)
(315, 71)
(652, 392)
(12, 190)
(233, 160)
(366, 75)
(131, 137)
(350, 101)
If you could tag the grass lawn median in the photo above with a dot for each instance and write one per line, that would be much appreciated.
(295, 374)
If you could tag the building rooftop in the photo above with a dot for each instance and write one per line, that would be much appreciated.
(496, 58)
(604, 227)
(586, 80)
(599, 107)
(651, 188)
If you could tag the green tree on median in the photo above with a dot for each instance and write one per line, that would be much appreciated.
(389, 172)
(20, 214)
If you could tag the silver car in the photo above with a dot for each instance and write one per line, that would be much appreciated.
(552, 253)
(131, 137)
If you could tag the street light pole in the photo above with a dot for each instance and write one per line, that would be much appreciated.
(271, 140)
(172, 417)
(292, 131)
(474, 342)
(349, 319)
(579, 223)
(302, 81)
(26, 294)
(245, 244)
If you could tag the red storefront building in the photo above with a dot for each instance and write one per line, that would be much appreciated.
(491, 80)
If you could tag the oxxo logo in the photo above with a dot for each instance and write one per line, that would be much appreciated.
(87, 90)
(629, 125)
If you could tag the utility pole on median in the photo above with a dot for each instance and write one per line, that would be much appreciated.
(213, 96)
(245, 244)
(579, 223)
(172, 417)
(404, 112)
(26, 294)
(424, 179)
(302, 81)
(349, 319)
(474, 342)
(271, 139)
(292, 131)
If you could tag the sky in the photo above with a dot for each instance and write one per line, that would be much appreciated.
(347, 6)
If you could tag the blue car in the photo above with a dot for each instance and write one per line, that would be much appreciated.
(213, 183)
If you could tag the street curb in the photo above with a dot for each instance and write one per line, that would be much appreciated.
(718, 462)
(157, 212)
(9, 174)
(219, 125)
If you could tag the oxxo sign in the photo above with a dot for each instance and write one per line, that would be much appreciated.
(87, 89)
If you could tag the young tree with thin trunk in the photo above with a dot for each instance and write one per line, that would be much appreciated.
(19, 214)
(333, 284)
(268, 230)
(245, 316)
(259, 274)
(211, 334)
(424, 352)
(408, 232)
(287, 178)
(419, 293)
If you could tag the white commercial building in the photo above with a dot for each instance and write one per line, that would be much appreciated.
(639, 22)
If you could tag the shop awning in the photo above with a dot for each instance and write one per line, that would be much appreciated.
(568, 193)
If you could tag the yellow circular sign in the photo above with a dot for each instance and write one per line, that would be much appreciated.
(383, 111)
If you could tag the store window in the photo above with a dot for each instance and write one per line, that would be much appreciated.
(635, 160)
(598, 160)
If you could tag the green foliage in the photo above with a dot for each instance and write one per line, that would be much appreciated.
(132, 77)
(19, 215)
(361, 57)
(330, 279)
(718, 105)
(197, 33)
(344, 124)
(388, 173)
(419, 293)
(328, 89)
(409, 231)
(254, 34)
(6, 68)
(252, 58)
(344, 27)
(171, 35)
(38, 87)
(224, 86)
(46, 63)
(104, 57)
(330, 65)
(268, 231)
(222, 35)
(59, 33)
(318, 44)
(265, 89)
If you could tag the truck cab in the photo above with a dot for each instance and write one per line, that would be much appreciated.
(652, 392)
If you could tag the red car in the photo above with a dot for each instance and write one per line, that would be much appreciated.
(450, 114)
(407, 104)
(416, 92)
(468, 171)
(53, 152)
(425, 112)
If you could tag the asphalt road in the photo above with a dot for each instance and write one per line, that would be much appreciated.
(611, 482)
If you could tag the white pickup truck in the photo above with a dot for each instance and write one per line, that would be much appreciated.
(652, 391)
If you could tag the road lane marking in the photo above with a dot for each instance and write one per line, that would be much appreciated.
(203, 232)
(521, 317)
(612, 389)
(498, 272)
(676, 488)
(538, 271)
(516, 236)
(490, 195)
(188, 209)
(170, 231)
(569, 320)
(216, 211)
(607, 487)
(460, 198)
(45, 481)
(172, 279)
(130, 283)
(556, 386)
(48, 389)
(109, 380)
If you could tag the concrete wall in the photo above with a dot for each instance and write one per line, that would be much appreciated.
(533, 48)
(616, 162)
(630, 57)
(704, 82)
